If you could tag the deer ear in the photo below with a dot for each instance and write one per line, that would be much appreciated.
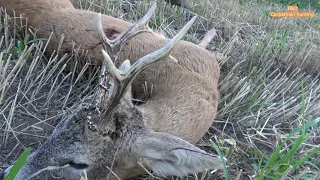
(168, 155)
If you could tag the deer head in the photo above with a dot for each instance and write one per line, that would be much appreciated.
(108, 138)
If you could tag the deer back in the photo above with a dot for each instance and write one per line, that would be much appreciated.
(78, 27)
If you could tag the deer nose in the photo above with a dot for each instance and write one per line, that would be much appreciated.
(73, 164)
(79, 166)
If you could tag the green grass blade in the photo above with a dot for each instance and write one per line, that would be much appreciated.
(290, 154)
(305, 158)
(18, 164)
(306, 126)
(273, 158)
(225, 170)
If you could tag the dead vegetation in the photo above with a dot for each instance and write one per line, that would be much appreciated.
(260, 84)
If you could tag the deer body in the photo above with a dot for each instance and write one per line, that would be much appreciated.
(61, 18)
(179, 88)
(181, 108)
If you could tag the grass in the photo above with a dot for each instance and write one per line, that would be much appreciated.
(282, 160)
(35, 90)
(18, 164)
(268, 119)
(225, 169)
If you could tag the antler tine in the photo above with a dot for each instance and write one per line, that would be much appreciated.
(145, 61)
(125, 76)
(114, 46)
(113, 70)
(132, 30)
(104, 40)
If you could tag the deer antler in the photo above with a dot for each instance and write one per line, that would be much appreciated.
(113, 47)
(124, 76)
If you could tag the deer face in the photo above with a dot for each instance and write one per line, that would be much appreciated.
(74, 146)
(77, 145)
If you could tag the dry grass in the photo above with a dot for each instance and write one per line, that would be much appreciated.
(260, 84)
(35, 90)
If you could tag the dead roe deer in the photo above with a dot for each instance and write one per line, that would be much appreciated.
(183, 103)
